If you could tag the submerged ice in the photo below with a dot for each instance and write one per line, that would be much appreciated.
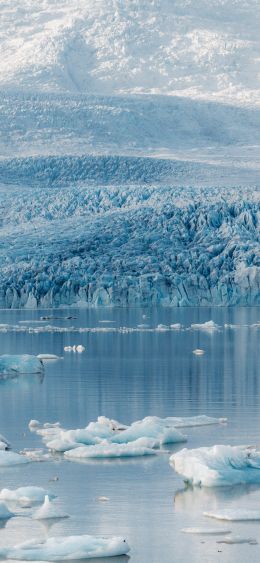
(218, 465)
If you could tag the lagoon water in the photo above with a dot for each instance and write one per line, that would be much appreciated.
(126, 376)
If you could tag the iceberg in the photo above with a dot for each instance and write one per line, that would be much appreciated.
(7, 459)
(25, 495)
(238, 539)
(43, 357)
(48, 511)
(66, 548)
(218, 465)
(12, 365)
(234, 514)
(140, 447)
(206, 531)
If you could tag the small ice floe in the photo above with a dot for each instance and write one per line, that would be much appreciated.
(218, 465)
(45, 357)
(5, 513)
(12, 365)
(206, 531)
(7, 459)
(33, 424)
(36, 454)
(162, 328)
(175, 326)
(208, 326)
(48, 511)
(103, 499)
(25, 495)
(141, 447)
(75, 348)
(234, 515)
(238, 539)
(198, 352)
(70, 547)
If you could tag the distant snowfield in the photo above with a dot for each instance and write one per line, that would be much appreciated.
(195, 48)
(129, 153)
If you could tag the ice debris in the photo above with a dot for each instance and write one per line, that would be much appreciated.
(206, 531)
(11, 365)
(48, 357)
(198, 352)
(70, 547)
(208, 326)
(218, 465)
(103, 437)
(238, 539)
(234, 514)
(4, 444)
(25, 495)
(75, 348)
(48, 511)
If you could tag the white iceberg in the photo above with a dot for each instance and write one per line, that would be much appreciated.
(218, 465)
(25, 495)
(66, 548)
(48, 357)
(7, 459)
(208, 326)
(206, 531)
(11, 365)
(48, 511)
(234, 515)
(5, 512)
(140, 447)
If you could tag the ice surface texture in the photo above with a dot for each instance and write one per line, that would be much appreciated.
(218, 465)
(71, 547)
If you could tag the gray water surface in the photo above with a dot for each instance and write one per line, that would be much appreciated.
(127, 376)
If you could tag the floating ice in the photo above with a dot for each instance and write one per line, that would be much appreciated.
(208, 325)
(48, 357)
(206, 531)
(104, 432)
(7, 459)
(234, 515)
(218, 465)
(238, 539)
(4, 444)
(75, 348)
(11, 365)
(5, 512)
(71, 547)
(140, 447)
(25, 495)
(198, 352)
(48, 511)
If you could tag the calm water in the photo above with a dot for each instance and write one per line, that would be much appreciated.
(126, 377)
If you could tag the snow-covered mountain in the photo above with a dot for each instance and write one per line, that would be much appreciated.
(129, 147)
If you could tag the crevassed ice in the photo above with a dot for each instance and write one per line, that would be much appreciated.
(218, 465)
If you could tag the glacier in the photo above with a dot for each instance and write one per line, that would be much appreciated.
(129, 154)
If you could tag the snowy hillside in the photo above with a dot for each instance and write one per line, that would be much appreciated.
(196, 48)
(129, 152)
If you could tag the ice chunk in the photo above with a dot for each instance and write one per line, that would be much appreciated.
(208, 325)
(11, 365)
(5, 512)
(70, 547)
(206, 531)
(48, 357)
(234, 514)
(161, 430)
(25, 495)
(198, 352)
(80, 348)
(4, 444)
(218, 465)
(238, 539)
(140, 447)
(48, 510)
(7, 459)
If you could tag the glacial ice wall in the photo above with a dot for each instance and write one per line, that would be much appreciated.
(85, 245)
